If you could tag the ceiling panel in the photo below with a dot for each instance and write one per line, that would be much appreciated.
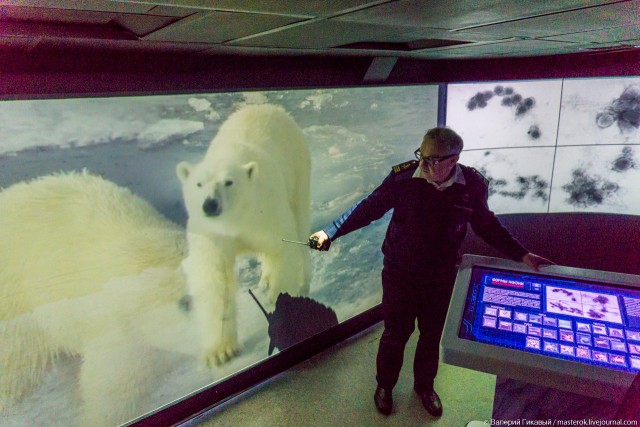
(308, 8)
(594, 18)
(400, 28)
(112, 33)
(326, 34)
(75, 22)
(451, 35)
(632, 42)
(332, 33)
(141, 25)
(94, 5)
(49, 44)
(505, 48)
(59, 16)
(218, 27)
(178, 12)
(460, 14)
(607, 35)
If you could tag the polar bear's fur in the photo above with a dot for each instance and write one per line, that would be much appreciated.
(249, 192)
(87, 269)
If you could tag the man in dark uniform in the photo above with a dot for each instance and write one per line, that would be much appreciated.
(433, 198)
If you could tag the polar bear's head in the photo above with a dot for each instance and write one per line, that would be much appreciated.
(211, 193)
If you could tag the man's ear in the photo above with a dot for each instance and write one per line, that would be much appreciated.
(183, 170)
(250, 168)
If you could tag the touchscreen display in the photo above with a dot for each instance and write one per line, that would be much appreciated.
(582, 321)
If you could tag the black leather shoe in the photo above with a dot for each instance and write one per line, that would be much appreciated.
(431, 402)
(384, 400)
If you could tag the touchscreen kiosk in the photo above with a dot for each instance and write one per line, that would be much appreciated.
(573, 329)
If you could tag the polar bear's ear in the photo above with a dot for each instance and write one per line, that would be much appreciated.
(183, 170)
(251, 169)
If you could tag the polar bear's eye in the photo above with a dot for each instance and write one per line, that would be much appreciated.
(228, 183)
(199, 184)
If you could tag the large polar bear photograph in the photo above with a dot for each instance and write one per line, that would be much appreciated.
(250, 191)
(144, 238)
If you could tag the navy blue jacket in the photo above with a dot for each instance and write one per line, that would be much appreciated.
(427, 226)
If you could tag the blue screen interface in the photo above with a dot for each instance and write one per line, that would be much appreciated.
(588, 322)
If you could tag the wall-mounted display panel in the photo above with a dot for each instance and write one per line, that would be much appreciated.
(553, 145)
(505, 114)
(120, 340)
(598, 147)
(599, 178)
(600, 112)
(520, 178)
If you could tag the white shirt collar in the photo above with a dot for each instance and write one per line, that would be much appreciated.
(456, 177)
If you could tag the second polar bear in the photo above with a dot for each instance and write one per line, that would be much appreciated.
(249, 192)
(89, 270)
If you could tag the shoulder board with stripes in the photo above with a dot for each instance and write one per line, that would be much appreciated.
(404, 166)
(484, 178)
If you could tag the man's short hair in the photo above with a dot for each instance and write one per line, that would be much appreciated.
(445, 137)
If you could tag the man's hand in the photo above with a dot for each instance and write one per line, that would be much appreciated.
(323, 242)
(534, 261)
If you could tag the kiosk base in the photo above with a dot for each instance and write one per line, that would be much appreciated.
(518, 400)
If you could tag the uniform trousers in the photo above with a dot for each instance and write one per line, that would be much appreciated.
(405, 298)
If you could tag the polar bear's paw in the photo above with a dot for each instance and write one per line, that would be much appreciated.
(220, 354)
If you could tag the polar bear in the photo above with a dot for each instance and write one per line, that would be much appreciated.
(89, 269)
(250, 191)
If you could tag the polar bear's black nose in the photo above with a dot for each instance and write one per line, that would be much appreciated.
(211, 207)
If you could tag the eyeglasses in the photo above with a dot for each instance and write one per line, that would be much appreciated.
(433, 161)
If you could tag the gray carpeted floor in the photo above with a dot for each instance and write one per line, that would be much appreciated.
(335, 388)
